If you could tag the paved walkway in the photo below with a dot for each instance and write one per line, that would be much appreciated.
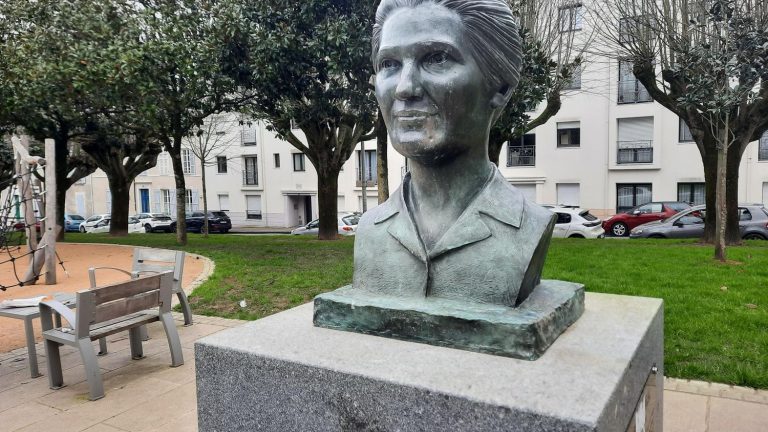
(148, 395)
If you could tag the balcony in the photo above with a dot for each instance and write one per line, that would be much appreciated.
(371, 179)
(248, 137)
(250, 178)
(632, 91)
(634, 152)
(521, 156)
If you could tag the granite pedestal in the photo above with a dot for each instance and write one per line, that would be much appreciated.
(281, 373)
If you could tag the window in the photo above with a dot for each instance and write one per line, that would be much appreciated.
(162, 162)
(253, 207)
(629, 196)
(571, 17)
(221, 163)
(684, 133)
(251, 172)
(191, 200)
(563, 218)
(635, 144)
(630, 90)
(575, 82)
(224, 202)
(366, 163)
(166, 197)
(248, 135)
(650, 208)
(744, 214)
(691, 193)
(522, 152)
(568, 134)
(187, 162)
(298, 161)
(277, 160)
(628, 29)
(762, 148)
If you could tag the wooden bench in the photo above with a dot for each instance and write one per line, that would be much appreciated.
(104, 311)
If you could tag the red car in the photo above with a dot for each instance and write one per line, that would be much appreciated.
(621, 224)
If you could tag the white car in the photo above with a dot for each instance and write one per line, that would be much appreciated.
(154, 221)
(89, 224)
(574, 222)
(347, 224)
(134, 226)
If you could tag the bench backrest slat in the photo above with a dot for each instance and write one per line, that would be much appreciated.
(112, 301)
(149, 260)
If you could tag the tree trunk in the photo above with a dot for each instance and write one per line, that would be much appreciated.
(327, 201)
(382, 165)
(710, 187)
(205, 201)
(720, 201)
(119, 187)
(733, 161)
(181, 191)
(62, 169)
(495, 143)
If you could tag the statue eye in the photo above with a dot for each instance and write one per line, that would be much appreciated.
(438, 58)
(387, 64)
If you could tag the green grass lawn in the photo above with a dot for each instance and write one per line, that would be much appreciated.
(716, 315)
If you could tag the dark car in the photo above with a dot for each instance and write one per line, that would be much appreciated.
(218, 221)
(621, 224)
(753, 224)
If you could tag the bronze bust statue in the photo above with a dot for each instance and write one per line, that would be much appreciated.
(455, 229)
(454, 257)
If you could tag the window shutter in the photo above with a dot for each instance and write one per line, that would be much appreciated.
(109, 202)
(173, 202)
(196, 200)
(636, 129)
(156, 201)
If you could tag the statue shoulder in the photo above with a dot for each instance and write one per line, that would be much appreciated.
(378, 214)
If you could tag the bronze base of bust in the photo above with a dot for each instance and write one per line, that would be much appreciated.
(524, 332)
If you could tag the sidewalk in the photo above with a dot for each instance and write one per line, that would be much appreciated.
(259, 230)
(148, 395)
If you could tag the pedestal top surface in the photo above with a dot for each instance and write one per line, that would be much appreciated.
(596, 350)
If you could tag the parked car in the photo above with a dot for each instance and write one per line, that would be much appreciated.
(753, 224)
(347, 224)
(621, 224)
(72, 222)
(574, 222)
(89, 224)
(155, 221)
(218, 221)
(134, 226)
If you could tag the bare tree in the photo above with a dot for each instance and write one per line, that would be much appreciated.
(707, 62)
(208, 142)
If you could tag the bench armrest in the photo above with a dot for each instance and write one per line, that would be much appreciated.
(92, 273)
(47, 307)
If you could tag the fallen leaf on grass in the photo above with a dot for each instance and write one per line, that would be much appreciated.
(723, 288)
(243, 303)
(751, 306)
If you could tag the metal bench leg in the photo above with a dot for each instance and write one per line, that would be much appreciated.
(29, 332)
(137, 351)
(55, 376)
(144, 333)
(177, 357)
(92, 371)
(102, 347)
(185, 309)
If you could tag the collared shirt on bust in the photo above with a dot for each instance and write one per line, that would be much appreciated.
(493, 253)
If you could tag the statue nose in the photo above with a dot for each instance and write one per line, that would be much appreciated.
(409, 84)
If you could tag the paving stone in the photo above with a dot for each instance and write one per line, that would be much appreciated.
(156, 411)
(684, 412)
(727, 415)
(24, 415)
(186, 423)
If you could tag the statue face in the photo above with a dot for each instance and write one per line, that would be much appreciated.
(431, 91)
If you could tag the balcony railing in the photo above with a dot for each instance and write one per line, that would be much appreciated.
(250, 178)
(248, 137)
(253, 214)
(521, 156)
(634, 152)
(631, 91)
(371, 179)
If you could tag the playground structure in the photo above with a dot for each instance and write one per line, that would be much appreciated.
(27, 197)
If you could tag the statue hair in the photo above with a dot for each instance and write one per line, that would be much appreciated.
(491, 31)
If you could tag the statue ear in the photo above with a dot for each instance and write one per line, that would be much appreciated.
(500, 98)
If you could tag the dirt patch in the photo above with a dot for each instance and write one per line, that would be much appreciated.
(77, 259)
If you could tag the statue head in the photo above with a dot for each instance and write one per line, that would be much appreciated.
(492, 34)
(445, 69)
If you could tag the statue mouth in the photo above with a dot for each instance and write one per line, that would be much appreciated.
(413, 116)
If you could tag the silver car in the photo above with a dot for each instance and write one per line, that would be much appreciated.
(347, 224)
(753, 224)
